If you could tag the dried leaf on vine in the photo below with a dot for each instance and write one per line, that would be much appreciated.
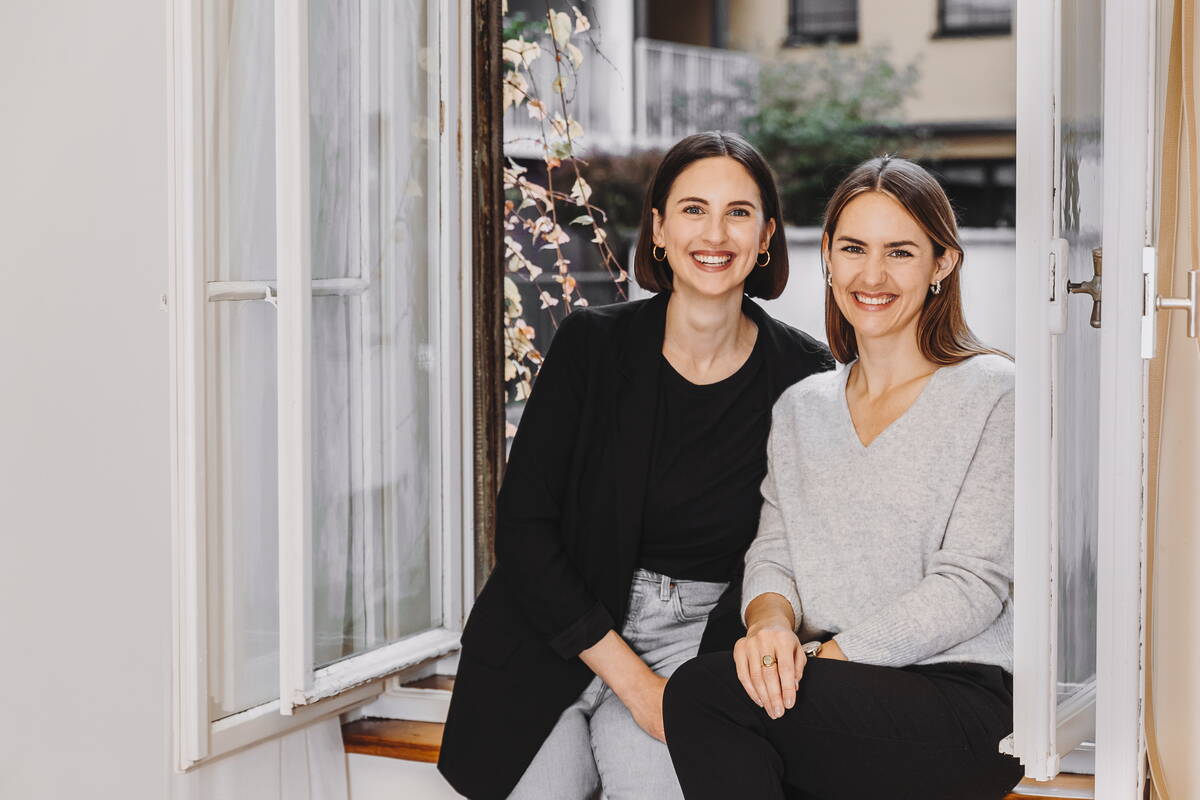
(520, 52)
(559, 26)
(582, 23)
(516, 88)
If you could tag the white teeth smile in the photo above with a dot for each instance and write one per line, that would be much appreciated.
(714, 261)
(874, 301)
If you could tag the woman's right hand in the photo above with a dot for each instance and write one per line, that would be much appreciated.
(645, 703)
(770, 633)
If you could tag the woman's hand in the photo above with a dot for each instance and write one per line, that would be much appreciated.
(769, 632)
(637, 686)
(645, 702)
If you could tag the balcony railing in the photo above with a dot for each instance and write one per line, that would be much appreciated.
(683, 89)
(674, 90)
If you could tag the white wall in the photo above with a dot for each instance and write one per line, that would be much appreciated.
(85, 537)
(989, 285)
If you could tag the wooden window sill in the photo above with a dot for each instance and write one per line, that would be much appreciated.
(422, 741)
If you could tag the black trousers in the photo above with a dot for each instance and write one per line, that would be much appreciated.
(857, 731)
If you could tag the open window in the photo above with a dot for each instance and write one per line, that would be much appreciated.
(321, 352)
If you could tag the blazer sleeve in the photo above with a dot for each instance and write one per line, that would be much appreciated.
(967, 581)
(547, 586)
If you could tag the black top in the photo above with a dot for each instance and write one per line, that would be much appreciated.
(568, 526)
(707, 461)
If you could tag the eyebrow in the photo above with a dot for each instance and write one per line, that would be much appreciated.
(705, 202)
(904, 243)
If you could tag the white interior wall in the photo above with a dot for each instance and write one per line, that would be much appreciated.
(85, 537)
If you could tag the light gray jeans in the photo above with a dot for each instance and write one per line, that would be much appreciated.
(596, 746)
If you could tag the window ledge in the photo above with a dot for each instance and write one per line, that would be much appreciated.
(394, 738)
(972, 33)
(818, 40)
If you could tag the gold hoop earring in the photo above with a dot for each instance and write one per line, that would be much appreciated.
(763, 263)
(829, 279)
(654, 253)
(936, 286)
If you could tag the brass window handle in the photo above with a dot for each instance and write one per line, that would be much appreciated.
(1091, 287)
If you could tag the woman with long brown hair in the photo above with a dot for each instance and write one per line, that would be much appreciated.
(877, 593)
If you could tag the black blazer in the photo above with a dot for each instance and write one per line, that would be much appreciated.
(567, 535)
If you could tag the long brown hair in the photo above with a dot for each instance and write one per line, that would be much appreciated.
(942, 331)
(656, 276)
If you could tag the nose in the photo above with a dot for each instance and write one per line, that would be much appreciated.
(714, 230)
(874, 272)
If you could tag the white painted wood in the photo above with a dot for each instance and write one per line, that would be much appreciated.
(262, 290)
(266, 721)
(186, 347)
(461, 574)
(1128, 179)
(420, 705)
(376, 778)
(380, 662)
(294, 270)
(1035, 640)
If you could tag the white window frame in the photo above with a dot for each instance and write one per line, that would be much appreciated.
(307, 695)
(1044, 731)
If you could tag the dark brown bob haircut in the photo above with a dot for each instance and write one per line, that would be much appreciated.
(656, 276)
(942, 331)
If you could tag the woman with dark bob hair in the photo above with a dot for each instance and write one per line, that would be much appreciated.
(877, 594)
(630, 496)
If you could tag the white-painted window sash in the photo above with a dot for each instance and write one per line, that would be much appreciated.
(1035, 638)
(300, 684)
(1047, 729)
(338, 686)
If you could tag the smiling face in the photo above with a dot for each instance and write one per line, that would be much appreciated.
(882, 264)
(713, 227)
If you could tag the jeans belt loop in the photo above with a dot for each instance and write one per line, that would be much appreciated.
(664, 588)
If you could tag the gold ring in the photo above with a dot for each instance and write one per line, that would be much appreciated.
(768, 661)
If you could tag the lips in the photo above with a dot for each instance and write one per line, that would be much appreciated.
(712, 260)
(873, 301)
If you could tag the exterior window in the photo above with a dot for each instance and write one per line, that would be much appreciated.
(815, 21)
(319, 370)
(974, 17)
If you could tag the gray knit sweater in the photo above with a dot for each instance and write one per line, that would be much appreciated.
(902, 549)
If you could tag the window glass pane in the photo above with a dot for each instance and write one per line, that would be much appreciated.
(374, 464)
(242, 511)
(1081, 213)
(818, 18)
(240, 136)
(242, 520)
(967, 14)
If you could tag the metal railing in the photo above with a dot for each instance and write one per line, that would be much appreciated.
(682, 89)
(678, 89)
